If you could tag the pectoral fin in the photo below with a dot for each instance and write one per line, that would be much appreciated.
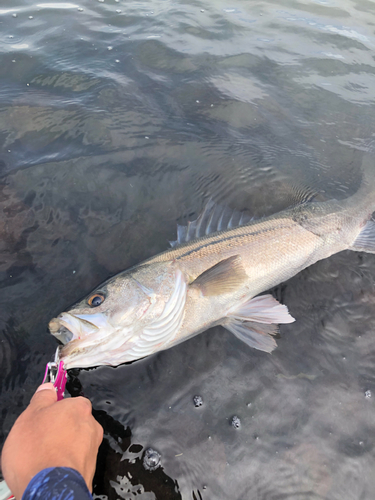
(365, 241)
(225, 277)
(255, 321)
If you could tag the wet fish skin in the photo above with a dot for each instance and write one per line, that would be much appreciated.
(212, 280)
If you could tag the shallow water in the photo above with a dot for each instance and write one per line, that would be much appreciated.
(120, 119)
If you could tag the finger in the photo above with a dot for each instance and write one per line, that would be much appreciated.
(44, 396)
(43, 387)
(99, 433)
(82, 402)
(89, 482)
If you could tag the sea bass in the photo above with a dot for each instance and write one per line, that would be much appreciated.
(212, 275)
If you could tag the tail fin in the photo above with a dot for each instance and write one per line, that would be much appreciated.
(366, 192)
(365, 197)
(365, 242)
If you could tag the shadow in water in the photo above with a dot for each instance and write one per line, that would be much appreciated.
(117, 476)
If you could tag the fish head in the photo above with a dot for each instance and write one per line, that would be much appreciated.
(128, 317)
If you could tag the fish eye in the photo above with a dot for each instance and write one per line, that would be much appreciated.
(95, 300)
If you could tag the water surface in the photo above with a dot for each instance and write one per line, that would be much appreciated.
(119, 119)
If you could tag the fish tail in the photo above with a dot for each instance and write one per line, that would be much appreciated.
(365, 200)
(362, 203)
(366, 194)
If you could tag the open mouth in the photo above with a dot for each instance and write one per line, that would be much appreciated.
(67, 327)
(64, 335)
(81, 335)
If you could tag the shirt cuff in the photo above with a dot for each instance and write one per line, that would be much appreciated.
(57, 483)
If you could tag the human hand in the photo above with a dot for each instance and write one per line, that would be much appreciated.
(51, 433)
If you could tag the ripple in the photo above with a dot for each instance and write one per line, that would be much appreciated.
(116, 125)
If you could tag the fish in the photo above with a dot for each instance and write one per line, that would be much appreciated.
(215, 273)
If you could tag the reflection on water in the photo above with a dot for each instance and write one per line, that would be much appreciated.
(120, 119)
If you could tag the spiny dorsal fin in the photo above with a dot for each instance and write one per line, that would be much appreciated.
(226, 276)
(213, 218)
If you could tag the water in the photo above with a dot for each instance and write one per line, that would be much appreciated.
(120, 119)
(151, 459)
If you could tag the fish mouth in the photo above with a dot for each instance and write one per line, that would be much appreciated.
(82, 335)
(67, 327)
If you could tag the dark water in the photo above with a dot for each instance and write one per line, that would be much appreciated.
(119, 119)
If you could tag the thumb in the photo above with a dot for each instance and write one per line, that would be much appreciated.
(44, 396)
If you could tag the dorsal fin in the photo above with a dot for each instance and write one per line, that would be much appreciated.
(214, 218)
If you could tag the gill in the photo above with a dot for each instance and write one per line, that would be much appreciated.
(152, 296)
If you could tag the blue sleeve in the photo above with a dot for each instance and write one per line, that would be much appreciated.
(57, 483)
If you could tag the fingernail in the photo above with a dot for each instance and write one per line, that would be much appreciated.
(48, 385)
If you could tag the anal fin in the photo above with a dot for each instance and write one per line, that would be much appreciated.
(256, 335)
(365, 241)
(255, 321)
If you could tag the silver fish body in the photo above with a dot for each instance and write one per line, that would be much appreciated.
(212, 279)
